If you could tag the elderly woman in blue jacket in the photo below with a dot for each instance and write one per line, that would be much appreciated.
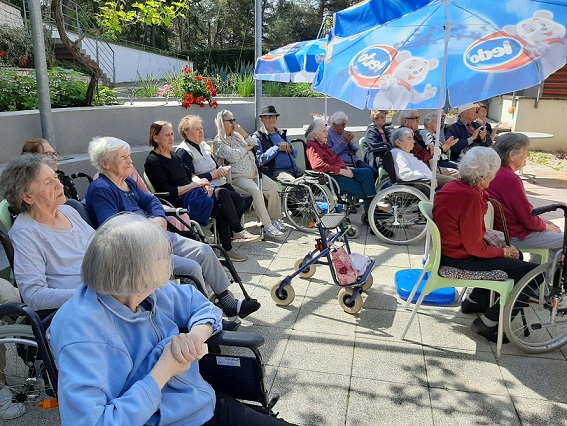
(121, 357)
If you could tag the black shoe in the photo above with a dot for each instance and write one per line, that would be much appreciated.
(364, 218)
(491, 333)
(247, 307)
(468, 307)
(230, 325)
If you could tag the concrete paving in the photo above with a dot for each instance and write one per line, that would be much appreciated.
(332, 368)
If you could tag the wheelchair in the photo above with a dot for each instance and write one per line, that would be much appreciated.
(31, 373)
(394, 215)
(307, 198)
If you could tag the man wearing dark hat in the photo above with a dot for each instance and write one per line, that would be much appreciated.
(467, 131)
(276, 155)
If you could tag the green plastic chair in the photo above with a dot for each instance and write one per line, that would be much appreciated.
(5, 217)
(149, 184)
(434, 281)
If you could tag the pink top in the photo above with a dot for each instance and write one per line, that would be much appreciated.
(507, 187)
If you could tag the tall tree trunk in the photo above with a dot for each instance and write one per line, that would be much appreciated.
(91, 65)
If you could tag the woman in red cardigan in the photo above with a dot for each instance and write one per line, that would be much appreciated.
(525, 230)
(458, 211)
(357, 182)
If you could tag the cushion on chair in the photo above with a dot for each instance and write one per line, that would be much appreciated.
(464, 274)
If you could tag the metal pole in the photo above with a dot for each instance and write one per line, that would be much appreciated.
(257, 54)
(41, 75)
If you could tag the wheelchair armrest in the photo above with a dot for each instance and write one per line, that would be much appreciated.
(161, 194)
(13, 309)
(236, 338)
(175, 211)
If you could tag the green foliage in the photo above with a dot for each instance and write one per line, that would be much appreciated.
(210, 59)
(274, 89)
(244, 84)
(147, 87)
(304, 90)
(16, 48)
(18, 91)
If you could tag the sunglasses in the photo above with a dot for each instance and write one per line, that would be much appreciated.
(232, 120)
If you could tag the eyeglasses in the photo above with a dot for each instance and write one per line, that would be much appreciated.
(413, 118)
(270, 117)
(52, 154)
(232, 120)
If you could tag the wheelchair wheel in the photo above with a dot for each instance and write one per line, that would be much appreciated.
(368, 283)
(354, 305)
(307, 272)
(394, 216)
(527, 314)
(285, 298)
(382, 184)
(300, 211)
(25, 374)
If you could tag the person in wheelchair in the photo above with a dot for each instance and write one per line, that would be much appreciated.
(408, 166)
(357, 182)
(342, 143)
(42, 146)
(115, 192)
(275, 154)
(376, 139)
(234, 145)
(133, 365)
(167, 173)
(459, 210)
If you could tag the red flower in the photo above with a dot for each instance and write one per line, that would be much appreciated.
(187, 70)
(198, 78)
(23, 61)
(2, 53)
(186, 104)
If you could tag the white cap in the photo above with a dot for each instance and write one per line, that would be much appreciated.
(465, 107)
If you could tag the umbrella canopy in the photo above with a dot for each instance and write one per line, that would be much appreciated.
(458, 51)
(296, 62)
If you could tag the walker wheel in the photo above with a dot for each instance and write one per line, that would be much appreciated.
(354, 305)
(368, 283)
(285, 298)
(353, 232)
(307, 272)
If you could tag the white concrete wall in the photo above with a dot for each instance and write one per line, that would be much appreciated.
(10, 15)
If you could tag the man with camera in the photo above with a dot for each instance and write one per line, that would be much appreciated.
(468, 132)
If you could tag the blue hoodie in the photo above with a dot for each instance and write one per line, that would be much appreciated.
(105, 353)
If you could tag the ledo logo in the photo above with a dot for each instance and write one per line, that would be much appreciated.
(369, 64)
(495, 53)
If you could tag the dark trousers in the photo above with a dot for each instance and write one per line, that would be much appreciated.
(515, 269)
(360, 186)
(230, 412)
(228, 209)
(362, 165)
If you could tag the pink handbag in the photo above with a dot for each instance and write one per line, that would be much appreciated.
(343, 266)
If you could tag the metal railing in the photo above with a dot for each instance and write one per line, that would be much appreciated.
(77, 21)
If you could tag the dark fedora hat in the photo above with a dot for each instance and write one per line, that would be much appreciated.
(269, 110)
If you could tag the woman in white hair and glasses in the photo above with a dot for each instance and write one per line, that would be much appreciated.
(234, 145)
(121, 357)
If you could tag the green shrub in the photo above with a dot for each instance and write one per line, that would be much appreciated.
(17, 92)
(16, 47)
(211, 58)
(275, 89)
(244, 85)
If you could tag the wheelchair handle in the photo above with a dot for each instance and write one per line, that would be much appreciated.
(550, 208)
(236, 338)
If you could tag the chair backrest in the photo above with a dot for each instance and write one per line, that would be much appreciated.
(489, 216)
(434, 259)
(5, 216)
(301, 160)
(388, 164)
(8, 249)
(82, 210)
(149, 184)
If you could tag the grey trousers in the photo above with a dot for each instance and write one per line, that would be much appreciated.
(197, 259)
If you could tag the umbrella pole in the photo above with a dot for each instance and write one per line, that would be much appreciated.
(448, 24)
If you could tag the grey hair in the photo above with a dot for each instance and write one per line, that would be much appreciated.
(313, 127)
(429, 118)
(406, 113)
(510, 145)
(17, 178)
(127, 255)
(338, 118)
(187, 123)
(478, 163)
(399, 134)
(102, 148)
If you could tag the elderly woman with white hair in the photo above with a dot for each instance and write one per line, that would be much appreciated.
(357, 182)
(234, 145)
(342, 143)
(122, 358)
(525, 230)
(458, 211)
(115, 192)
(429, 135)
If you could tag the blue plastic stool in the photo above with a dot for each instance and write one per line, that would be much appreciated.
(406, 279)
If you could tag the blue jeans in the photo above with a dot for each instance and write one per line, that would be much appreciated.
(360, 186)
(362, 165)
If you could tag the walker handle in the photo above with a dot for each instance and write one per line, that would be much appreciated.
(550, 208)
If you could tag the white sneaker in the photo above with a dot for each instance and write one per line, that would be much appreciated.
(272, 231)
(244, 237)
(279, 225)
(8, 409)
(236, 256)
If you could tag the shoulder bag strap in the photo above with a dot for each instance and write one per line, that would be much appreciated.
(498, 207)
